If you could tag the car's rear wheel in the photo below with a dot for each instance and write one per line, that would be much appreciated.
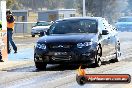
(33, 35)
(40, 65)
(117, 59)
(117, 54)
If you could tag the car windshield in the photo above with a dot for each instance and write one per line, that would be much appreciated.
(125, 20)
(74, 26)
(42, 24)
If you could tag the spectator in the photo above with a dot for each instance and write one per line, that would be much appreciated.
(0, 25)
(10, 27)
(1, 57)
(0, 50)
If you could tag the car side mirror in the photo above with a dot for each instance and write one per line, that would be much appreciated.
(105, 32)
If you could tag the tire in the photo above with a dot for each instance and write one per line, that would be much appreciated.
(117, 54)
(33, 35)
(41, 34)
(0, 56)
(97, 58)
(40, 65)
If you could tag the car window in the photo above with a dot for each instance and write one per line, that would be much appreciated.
(74, 26)
(43, 24)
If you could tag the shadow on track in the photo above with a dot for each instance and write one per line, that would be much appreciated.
(55, 67)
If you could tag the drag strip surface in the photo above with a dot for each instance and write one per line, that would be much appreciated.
(27, 76)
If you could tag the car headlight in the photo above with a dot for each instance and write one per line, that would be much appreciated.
(41, 46)
(33, 29)
(81, 45)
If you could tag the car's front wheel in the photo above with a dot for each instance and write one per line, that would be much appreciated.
(33, 35)
(41, 34)
(40, 65)
(98, 58)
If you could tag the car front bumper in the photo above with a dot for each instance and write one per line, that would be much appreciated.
(63, 57)
(35, 32)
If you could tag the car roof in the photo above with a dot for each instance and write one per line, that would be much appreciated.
(45, 21)
(77, 18)
(41, 21)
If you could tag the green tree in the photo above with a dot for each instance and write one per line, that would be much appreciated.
(110, 9)
(69, 4)
(40, 4)
(36, 4)
(12, 4)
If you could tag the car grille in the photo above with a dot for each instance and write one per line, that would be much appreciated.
(60, 46)
(39, 30)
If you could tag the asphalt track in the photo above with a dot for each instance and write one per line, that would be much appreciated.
(57, 76)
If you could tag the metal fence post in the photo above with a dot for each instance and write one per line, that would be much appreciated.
(23, 29)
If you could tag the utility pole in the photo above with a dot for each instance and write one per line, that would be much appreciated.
(3, 13)
(84, 9)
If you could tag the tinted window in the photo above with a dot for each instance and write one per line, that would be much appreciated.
(43, 24)
(74, 26)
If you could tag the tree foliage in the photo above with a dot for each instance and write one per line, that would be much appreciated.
(35, 4)
(9, 3)
(110, 9)
(12, 4)
(40, 4)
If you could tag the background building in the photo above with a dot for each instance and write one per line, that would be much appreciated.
(25, 19)
(52, 15)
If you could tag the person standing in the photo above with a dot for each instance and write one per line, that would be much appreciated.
(1, 57)
(0, 50)
(10, 27)
(0, 25)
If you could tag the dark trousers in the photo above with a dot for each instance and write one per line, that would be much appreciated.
(10, 40)
(0, 55)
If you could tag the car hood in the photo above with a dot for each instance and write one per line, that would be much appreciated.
(68, 38)
(41, 27)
